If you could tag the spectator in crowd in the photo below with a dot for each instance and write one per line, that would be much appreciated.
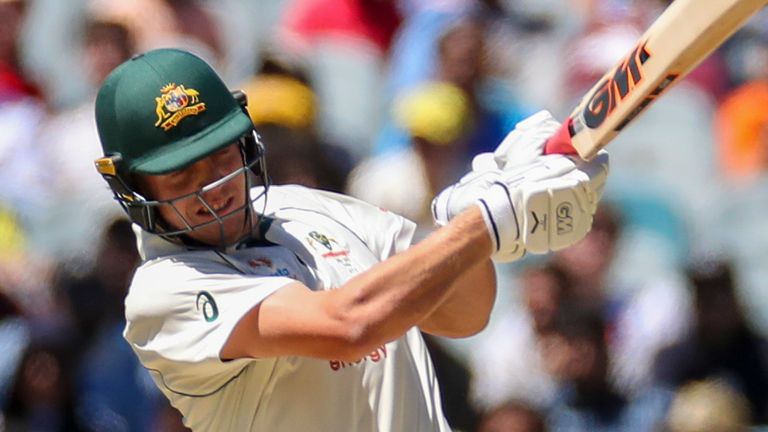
(194, 20)
(104, 361)
(708, 406)
(460, 54)
(462, 61)
(640, 319)
(345, 45)
(12, 237)
(156, 23)
(14, 337)
(588, 264)
(507, 361)
(107, 44)
(608, 30)
(576, 353)
(722, 344)
(78, 373)
(742, 121)
(13, 83)
(21, 182)
(286, 117)
(71, 144)
(512, 417)
(308, 22)
(438, 120)
(22, 179)
(42, 398)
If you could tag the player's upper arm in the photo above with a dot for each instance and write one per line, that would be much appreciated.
(297, 321)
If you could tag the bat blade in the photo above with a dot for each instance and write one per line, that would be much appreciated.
(684, 35)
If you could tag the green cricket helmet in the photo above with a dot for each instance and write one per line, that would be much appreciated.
(162, 111)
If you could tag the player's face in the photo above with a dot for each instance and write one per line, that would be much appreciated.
(226, 199)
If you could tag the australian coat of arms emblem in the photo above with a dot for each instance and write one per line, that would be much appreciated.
(174, 103)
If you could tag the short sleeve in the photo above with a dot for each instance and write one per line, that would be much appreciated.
(385, 233)
(180, 312)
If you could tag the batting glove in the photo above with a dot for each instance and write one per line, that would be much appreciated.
(543, 206)
(521, 146)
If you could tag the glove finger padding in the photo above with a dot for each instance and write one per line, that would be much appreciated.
(526, 142)
(460, 196)
(441, 212)
(558, 211)
(543, 206)
(544, 167)
(597, 170)
(483, 162)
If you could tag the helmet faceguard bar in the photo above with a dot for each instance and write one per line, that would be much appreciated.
(247, 169)
(145, 212)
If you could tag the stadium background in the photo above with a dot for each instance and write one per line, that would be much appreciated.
(659, 315)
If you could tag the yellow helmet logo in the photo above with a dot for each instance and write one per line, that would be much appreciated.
(175, 103)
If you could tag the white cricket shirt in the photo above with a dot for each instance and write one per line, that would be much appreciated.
(183, 304)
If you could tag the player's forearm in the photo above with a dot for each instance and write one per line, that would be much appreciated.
(467, 308)
(386, 301)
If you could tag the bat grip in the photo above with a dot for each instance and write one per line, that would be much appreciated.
(560, 142)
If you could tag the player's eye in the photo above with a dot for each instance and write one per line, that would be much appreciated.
(227, 151)
(228, 155)
(179, 180)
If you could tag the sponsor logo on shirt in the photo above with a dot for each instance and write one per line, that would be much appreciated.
(342, 258)
(269, 266)
(334, 251)
(207, 305)
(375, 356)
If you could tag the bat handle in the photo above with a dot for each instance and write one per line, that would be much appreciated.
(560, 142)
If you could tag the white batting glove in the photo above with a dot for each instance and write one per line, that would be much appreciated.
(543, 206)
(521, 146)
(480, 188)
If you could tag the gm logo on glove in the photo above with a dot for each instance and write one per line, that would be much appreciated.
(564, 218)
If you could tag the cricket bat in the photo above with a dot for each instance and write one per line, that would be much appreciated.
(684, 35)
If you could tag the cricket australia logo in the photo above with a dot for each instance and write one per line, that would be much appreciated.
(207, 304)
(176, 103)
(335, 252)
(323, 239)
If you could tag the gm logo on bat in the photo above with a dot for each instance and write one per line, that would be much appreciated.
(612, 90)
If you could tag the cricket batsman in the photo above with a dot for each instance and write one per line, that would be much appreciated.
(283, 308)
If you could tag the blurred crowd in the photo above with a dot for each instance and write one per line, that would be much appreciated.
(654, 322)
